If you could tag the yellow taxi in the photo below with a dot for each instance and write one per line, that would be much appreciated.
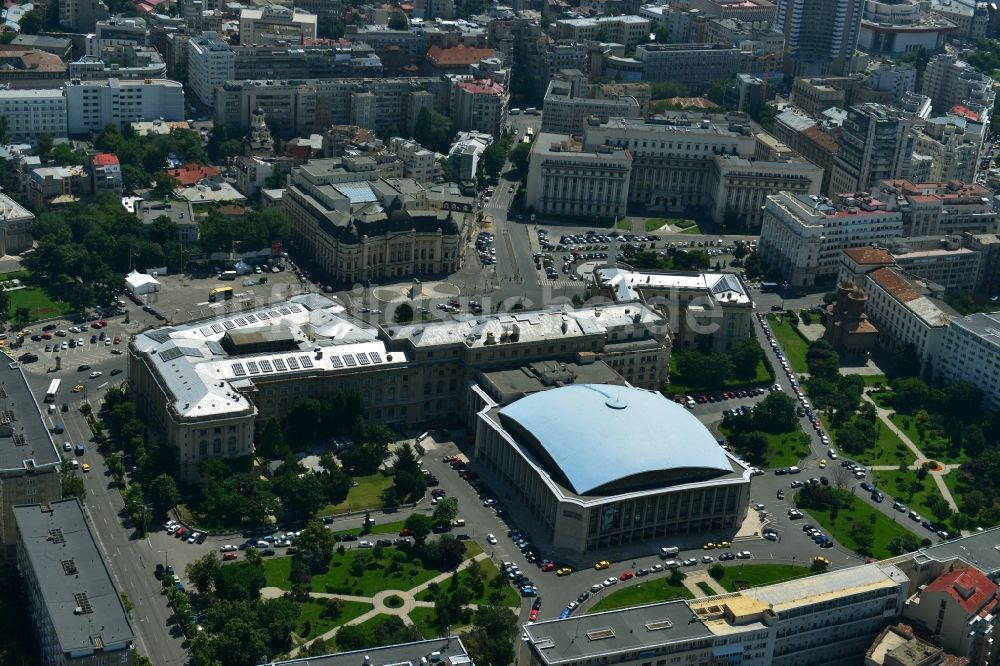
(722, 544)
(25, 333)
(709, 546)
(85, 467)
(822, 463)
(77, 388)
(563, 571)
(603, 564)
(819, 559)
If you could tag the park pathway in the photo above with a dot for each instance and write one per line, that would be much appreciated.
(378, 601)
(936, 474)
(692, 579)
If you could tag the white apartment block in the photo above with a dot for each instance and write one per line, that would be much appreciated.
(91, 105)
(970, 351)
(951, 82)
(211, 62)
(564, 179)
(565, 110)
(629, 30)
(953, 153)
(31, 112)
(419, 163)
(906, 314)
(271, 24)
(15, 226)
(673, 154)
(802, 236)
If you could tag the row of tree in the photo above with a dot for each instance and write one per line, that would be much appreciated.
(702, 369)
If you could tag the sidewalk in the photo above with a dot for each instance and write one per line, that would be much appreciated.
(937, 475)
(378, 601)
(692, 579)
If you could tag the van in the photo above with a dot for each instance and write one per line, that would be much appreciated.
(458, 522)
(794, 470)
(672, 564)
(669, 551)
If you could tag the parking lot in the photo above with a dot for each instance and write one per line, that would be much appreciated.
(561, 258)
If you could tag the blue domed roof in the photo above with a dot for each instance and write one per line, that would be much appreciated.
(597, 434)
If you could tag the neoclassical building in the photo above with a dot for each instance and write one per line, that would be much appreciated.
(357, 226)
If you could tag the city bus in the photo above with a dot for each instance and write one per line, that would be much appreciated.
(220, 293)
(50, 395)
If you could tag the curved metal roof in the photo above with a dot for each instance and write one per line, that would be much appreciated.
(597, 434)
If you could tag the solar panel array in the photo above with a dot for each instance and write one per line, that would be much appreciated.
(171, 354)
(292, 363)
(363, 358)
(279, 364)
(252, 367)
(349, 360)
(251, 319)
(265, 365)
(305, 361)
(337, 363)
(238, 370)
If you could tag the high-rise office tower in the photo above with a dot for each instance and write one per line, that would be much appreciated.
(820, 35)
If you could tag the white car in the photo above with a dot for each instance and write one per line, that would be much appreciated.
(65, 346)
(95, 374)
(597, 587)
(69, 447)
(690, 562)
(608, 582)
(365, 544)
(490, 539)
(74, 329)
(79, 342)
(707, 559)
(770, 536)
(193, 537)
(228, 548)
(743, 555)
(172, 528)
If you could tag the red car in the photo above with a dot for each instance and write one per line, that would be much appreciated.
(46, 336)
(533, 615)
(180, 532)
(103, 323)
(404, 532)
(548, 566)
(95, 324)
(117, 339)
(627, 574)
(226, 557)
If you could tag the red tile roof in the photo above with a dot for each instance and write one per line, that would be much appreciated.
(966, 112)
(481, 87)
(104, 159)
(969, 587)
(869, 255)
(457, 55)
(192, 174)
(894, 284)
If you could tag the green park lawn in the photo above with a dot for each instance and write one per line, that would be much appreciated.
(366, 495)
(504, 596)
(694, 229)
(888, 449)
(904, 486)
(377, 576)
(378, 528)
(679, 385)
(310, 623)
(786, 449)
(929, 440)
(423, 619)
(647, 592)
(792, 343)
(743, 576)
(885, 529)
(874, 380)
(38, 302)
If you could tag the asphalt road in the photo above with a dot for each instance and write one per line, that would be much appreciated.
(130, 559)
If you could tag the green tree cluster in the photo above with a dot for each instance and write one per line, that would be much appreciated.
(433, 130)
(713, 370)
(240, 631)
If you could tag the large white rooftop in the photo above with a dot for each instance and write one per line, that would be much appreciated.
(724, 288)
(205, 380)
